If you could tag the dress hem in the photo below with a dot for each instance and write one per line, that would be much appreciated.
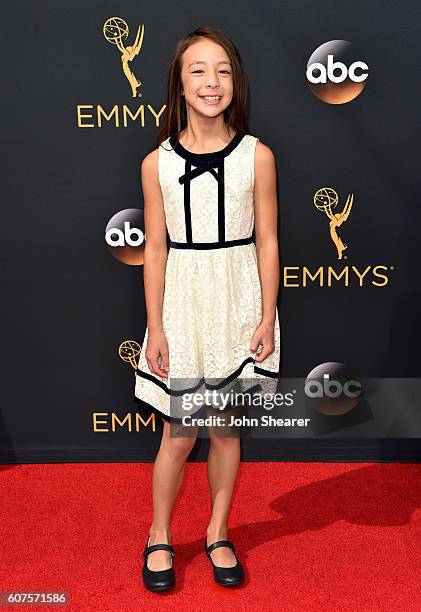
(223, 383)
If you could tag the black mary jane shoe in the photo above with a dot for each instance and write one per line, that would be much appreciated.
(158, 580)
(225, 576)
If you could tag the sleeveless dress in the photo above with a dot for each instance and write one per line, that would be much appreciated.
(212, 301)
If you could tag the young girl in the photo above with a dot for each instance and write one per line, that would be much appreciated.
(211, 298)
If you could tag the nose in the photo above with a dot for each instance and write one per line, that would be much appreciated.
(212, 81)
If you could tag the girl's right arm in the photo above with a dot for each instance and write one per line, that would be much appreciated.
(156, 254)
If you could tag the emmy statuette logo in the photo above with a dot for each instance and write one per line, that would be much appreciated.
(115, 29)
(325, 199)
(90, 115)
(129, 351)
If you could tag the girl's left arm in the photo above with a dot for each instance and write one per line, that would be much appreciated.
(266, 225)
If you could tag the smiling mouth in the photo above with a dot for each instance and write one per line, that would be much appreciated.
(211, 99)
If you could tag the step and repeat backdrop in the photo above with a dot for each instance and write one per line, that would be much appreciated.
(334, 92)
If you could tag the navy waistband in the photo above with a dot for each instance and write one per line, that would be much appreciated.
(211, 245)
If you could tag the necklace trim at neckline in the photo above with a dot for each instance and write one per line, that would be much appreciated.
(178, 148)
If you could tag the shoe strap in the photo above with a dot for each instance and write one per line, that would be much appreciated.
(153, 547)
(212, 547)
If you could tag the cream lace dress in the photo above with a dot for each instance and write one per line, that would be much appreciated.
(212, 299)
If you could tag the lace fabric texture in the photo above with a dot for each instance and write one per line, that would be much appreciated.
(212, 299)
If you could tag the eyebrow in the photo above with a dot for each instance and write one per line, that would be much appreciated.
(199, 62)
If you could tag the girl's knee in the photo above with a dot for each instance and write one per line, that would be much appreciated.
(175, 442)
(225, 438)
(225, 433)
(179, 448)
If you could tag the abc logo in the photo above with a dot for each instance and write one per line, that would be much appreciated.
(331, 390)
(125, 237)
(334, 73)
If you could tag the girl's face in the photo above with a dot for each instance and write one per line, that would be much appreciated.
(207, 71)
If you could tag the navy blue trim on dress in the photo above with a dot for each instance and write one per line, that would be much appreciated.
(199, 413)
(221, 202)
(265, 372)
(176, 392)
(202, 166)
(225, 381)
(162, 385)
(214, 155)
(212, 245)
(187, 209)
(231, 377)
(212, 162)
(166, 417)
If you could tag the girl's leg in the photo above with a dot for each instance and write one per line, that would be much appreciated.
(168, 474)
(223, 463)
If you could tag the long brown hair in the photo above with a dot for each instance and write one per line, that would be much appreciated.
(235, 115)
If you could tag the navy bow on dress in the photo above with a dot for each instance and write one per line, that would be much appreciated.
(203, 166)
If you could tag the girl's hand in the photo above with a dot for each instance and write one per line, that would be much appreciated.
(157, 354)
(265, 336)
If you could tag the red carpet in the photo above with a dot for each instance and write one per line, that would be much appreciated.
(312, 537)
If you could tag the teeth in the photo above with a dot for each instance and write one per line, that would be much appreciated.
(211, 97)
